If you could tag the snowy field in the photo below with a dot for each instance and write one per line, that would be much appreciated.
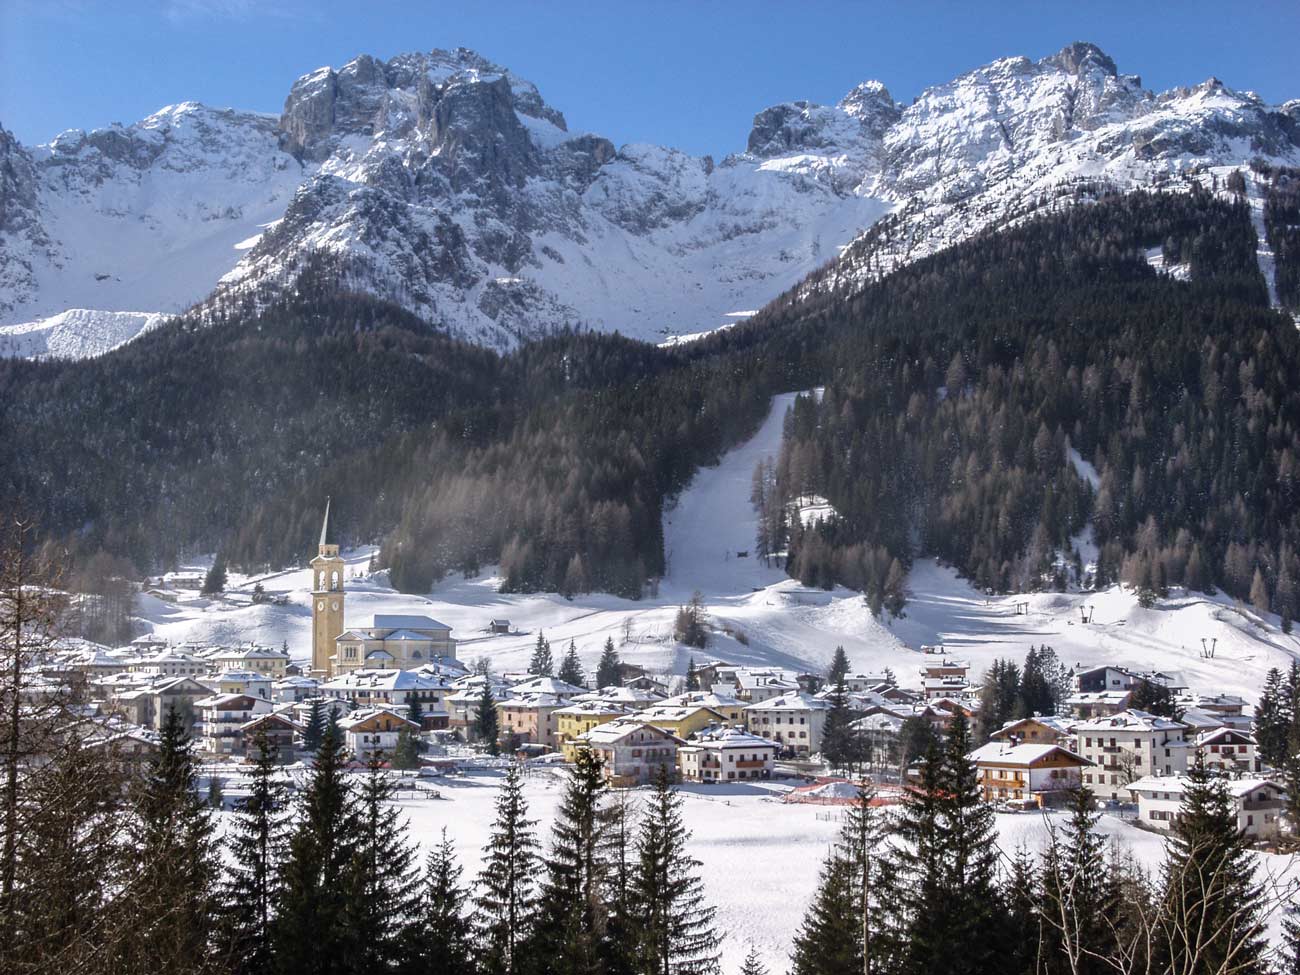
(782, 623)
(760, 857)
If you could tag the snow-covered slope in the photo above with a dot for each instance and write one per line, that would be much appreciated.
(75, 333)
(447, 184)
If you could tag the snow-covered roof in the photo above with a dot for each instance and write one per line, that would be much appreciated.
(397, 621)
(231, 701)
(1130, 720)
(709, 699)
(361, 715)
(1176, 784)
(548, 685)
(723, 738)
(790, 702)
(672, 712)
(1236, 736)
(612, 732)
(1099, 697)
(386, 679)
(592, 709)
(1000, 753)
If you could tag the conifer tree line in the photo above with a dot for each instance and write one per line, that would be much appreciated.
(924, 891)
(958, 391)
(1012, 691)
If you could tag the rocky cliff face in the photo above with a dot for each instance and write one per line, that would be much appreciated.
(446, 183)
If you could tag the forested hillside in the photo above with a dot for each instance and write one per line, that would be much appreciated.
(953, 387)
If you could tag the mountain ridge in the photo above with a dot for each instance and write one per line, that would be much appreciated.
(445, 183)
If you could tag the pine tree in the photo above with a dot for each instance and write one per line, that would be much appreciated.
(542, 663)
(507, 886)
(571, 667)
(406, 753)
(1212, 919)
(837, 734)
(1080, 909)
(175, 888)
(847, 929)
(618, 948)
(383, 885)
(487, 722)
(1272, 723)
(444, 944)
(415, 711)
(608, 670)
(839, 669)
(753, 964)
(675, 935)
(311, 925)
(1020, 894)
(948, 866)
(571, 912)
(692, 676)
(315, 729)
(256, 847)
(215, 580)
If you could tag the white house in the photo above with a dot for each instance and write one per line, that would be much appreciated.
(1230, 750)
(262, 660)
(631, 752)
(389, 688)
(373, 732)
(1038, 772)
(793, 721)
(1259, 802)
(290, 690)
(726, 756)
(221, 720)
(1127, 746)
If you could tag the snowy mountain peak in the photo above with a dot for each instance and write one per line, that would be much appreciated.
(444, 182)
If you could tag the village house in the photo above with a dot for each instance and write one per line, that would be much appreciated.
(868, 682)
(731, 708)
(1230, 751)
(1127, 746)
(169, 663)
(148, 706)
(793, 721)
(632, 698)
(261, 660)
(289, 690)
(370, 733)
(281, 730)
(682, 721)
(1039, 773)
(631, 752)
(132, 744)
(463, 701)
(754, 686)
(221, 720)
(527, 719)
(1259, 803)
(580, 717)
(1088, 705)
(1225, 705)
(726, 755)
(240, 682)
(1038, 730)
(395, 689)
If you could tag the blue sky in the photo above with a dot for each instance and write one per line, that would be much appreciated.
(684, 74)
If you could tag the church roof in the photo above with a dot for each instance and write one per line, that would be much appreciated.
(397, 621)
(324, 525)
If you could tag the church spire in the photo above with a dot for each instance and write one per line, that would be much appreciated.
(325, 525)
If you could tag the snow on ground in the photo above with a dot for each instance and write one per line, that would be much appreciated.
(760, 857)
(77, 333)
(772, 619)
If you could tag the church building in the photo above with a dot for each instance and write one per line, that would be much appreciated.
(391, 642)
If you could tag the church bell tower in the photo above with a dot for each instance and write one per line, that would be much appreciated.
(326, 600)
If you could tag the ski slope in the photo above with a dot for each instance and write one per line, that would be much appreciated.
(761, 617)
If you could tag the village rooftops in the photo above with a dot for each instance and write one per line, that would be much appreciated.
(592, 709)
(385, 680)
(631, 696)
(1021, 756)
(708, 699)
(362, 715)
(1130, 720)
(1117, 698)
(730, 738)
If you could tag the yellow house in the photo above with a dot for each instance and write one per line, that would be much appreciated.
(731, 708)
(681, 721)
(577, 719)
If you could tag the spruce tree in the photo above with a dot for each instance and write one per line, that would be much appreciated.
(839, 669)
(1080, 911)
(675, 935)
(383, 885)
(415, 711)
(311, 926)
(571, 912)
(406, 753)
(618, 948)
(542, 663)
(1272, 723)
(176, 885)
(256, 847)
(753, 964)
(487, 722)
(1212, 919)
(315, 729)
(692, 676)
(1020, 893)
(848, 928)
(507, 884)
(215, 580)
(444, 943)
(608, 670)
(571, 667)
(837, 735)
